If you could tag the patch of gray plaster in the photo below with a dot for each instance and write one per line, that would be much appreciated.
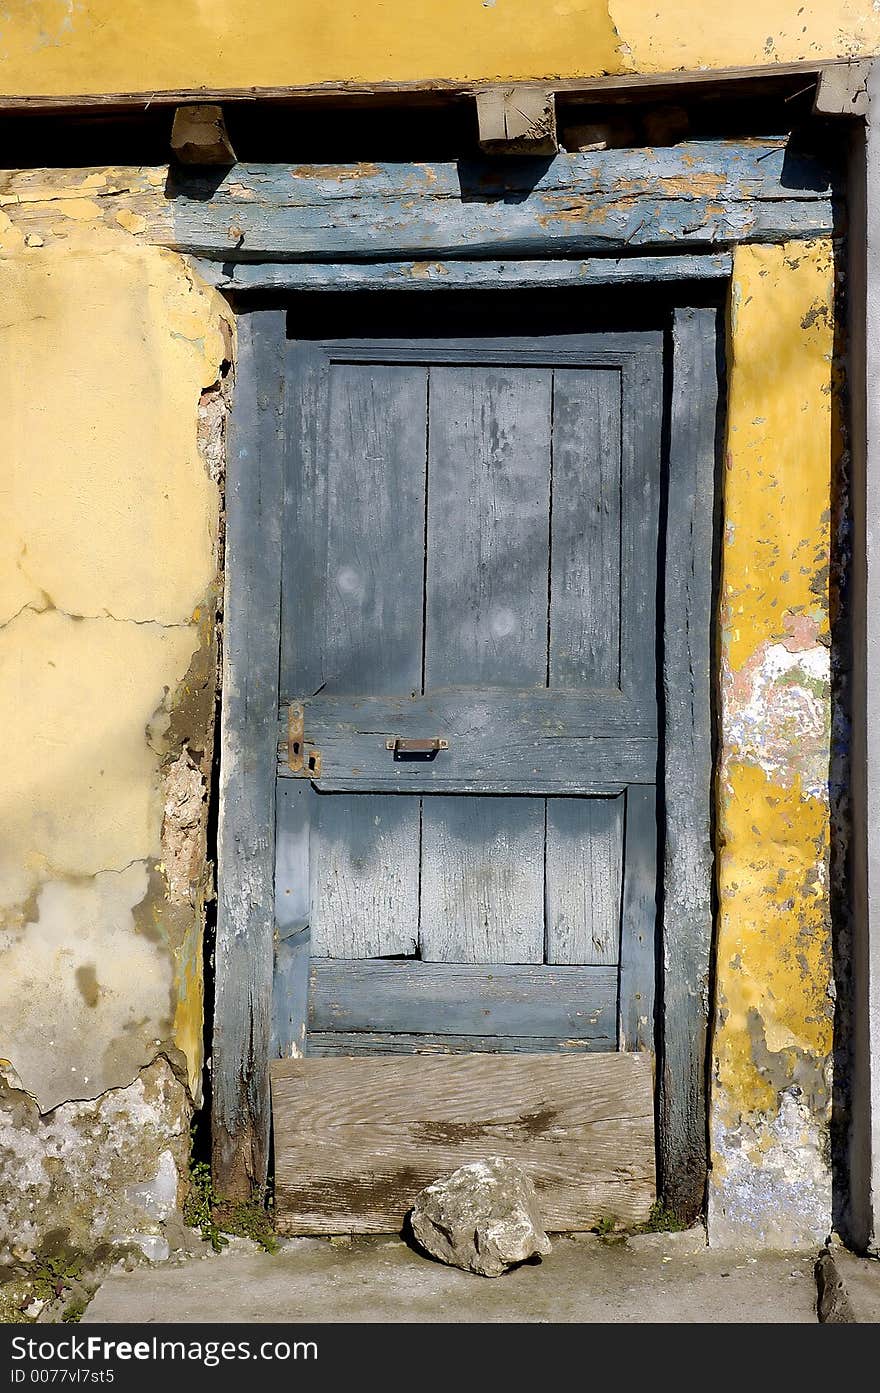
(110, 989)
(183, 859)
(770, 1185)
(106, 1170)
(776, 715)
(158, 1197)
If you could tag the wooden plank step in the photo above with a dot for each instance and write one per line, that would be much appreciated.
(356, 1139)
(406, 996)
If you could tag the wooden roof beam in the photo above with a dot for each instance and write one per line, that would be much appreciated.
(199, 136)
(517, 120)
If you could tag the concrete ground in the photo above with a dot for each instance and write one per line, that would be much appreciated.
(659, 1278)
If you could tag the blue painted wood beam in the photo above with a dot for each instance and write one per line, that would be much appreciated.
(697, 195)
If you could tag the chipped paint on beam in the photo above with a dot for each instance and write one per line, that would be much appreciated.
(701, 195)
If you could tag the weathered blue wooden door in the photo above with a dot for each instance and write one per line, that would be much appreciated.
(467, 804)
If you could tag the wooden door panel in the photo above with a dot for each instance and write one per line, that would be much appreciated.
(584, 879)
(488, 521)
(364, 857)
(364, 851)
(482, 880)
(375, 556)
(584, 618)
(482, 535)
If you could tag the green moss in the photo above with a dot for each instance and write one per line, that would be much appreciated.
(216, 1218)
(605, 1225)
(660, 1220)
(53, 1274)
(75, 1310)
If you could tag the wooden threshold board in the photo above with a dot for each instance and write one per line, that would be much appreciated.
(356, 1139)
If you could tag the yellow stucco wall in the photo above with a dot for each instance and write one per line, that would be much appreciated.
(108, 569)
(92, 46)
(774, 1008)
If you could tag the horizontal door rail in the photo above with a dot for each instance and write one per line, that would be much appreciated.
(415, 997)
(489, 741)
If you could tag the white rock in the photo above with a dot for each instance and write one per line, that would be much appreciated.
(483, 1218)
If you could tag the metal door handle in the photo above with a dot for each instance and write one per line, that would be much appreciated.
(403, 748)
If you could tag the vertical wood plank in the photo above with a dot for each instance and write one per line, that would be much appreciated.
(376, 528)
(291, 977)
(486, 624)
(245, 918)
(488, 526)
(482, 880)
(365, 875)
(290, 996)
(638, 931)
(687, 908)
(641, 455)
(585, 595)
(584, 874)
(304, 539)
(365, 849)
(303, 559)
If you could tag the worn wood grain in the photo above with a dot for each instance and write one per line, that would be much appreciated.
(364, 875)
(365, 850)
(375, 463)
(638, 932)
(692, 195)
(488, 518)
(642, 429)
(687, 877)
(290, 983)
(545, 741)
(305, 521)
(482, 880)
(486, 623)
(617, 86)
(356, 1139)
(465, 275)
(352, 1044)
(399, 997)
(585, 581)
(584, 875)
(290, 991)
(246, 836)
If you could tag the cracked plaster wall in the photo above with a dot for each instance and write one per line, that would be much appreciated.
(770, 1181)
(111, 438)
(84, 46)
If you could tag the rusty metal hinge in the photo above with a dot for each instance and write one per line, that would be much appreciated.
(305, 764)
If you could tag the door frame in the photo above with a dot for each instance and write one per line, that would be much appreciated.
(613, 217)
(241, 1112)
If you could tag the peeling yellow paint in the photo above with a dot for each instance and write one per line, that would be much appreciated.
(54, 47)
(670, 34)
(774, 1005)
(101, 458)
(108, 561)
(132, 222)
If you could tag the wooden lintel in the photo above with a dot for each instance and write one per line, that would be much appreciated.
(199, 135)
(463, 275)
(517, 120)
(603, 88)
